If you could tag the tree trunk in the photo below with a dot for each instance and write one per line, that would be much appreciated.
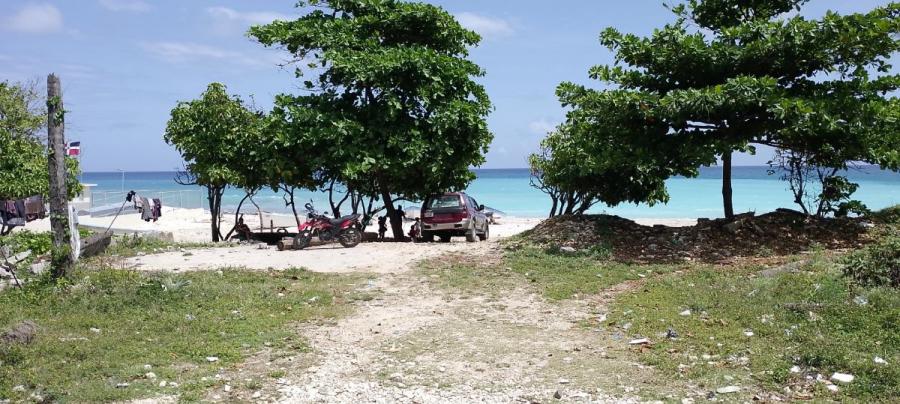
(210, 198)
(585, 204)
(726, 186)
(394, 216)
(63, 259)
(570, 203)
(336, 207)
(293, 204)
(214, 195)
(258, 212)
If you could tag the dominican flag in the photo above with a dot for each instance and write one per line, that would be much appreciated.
(73, 149)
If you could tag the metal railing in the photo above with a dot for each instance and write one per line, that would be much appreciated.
(189, 199)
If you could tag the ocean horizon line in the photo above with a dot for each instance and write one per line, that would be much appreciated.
(862, 166)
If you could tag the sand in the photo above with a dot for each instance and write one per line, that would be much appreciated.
(193, 225)
(376, 257)
(185, 225)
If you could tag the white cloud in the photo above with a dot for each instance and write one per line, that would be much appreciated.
(226, 14)
(541, 127)
(36, 19)
(486, 26)
(186, 52)
(136, 6)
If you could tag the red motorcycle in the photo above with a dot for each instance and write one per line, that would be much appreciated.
(346, 230)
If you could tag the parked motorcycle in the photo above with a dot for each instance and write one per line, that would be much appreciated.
(346, 230)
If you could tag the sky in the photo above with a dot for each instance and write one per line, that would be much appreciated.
(125, 64)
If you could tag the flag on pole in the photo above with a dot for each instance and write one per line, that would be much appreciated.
(74, 149)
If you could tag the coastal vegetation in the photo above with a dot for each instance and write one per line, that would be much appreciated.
(23, 166)
(785, 333)
(725, 77)
(106, 334)
(776, 326)
(390, 109)
(218, 137)
(778, 306)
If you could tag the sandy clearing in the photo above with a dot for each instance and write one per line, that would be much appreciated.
(332, 258)
(412, 343)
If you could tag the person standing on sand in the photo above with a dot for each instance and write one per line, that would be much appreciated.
(382, 227)
(400, 215)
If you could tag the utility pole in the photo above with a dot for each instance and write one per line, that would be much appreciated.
(56, 162)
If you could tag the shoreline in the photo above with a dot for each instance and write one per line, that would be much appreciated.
(193, 225)
(509, 191)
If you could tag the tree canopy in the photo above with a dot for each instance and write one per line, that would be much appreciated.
(390, 103)
(577, 175)
(731, 74)
(218, 137)
(23, 166)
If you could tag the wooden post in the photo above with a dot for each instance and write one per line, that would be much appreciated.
(56, 163)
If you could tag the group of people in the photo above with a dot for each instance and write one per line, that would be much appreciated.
(415, 231)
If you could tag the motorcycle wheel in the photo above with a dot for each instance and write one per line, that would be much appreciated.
(350, 238)
(302, 241)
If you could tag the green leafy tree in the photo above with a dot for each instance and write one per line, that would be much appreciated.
(392, 109)
(217, 136)
(21, 113)
(577, 177)
(818, 190)
(731, 74)
(23, 166)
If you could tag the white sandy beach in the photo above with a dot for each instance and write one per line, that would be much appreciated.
(367, 257)
(193, 226)
(185, 225)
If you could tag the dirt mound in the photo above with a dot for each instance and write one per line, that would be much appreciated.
(782, 232)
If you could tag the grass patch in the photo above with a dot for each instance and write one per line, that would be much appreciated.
(558, 275)
(130, 246)
(811, 318)
(101, 328)
(458, 274)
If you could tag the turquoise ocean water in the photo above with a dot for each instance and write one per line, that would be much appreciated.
(508, 190)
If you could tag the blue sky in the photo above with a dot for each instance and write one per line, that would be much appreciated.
(125, 63)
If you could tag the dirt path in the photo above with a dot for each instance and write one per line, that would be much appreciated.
(418, 345)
